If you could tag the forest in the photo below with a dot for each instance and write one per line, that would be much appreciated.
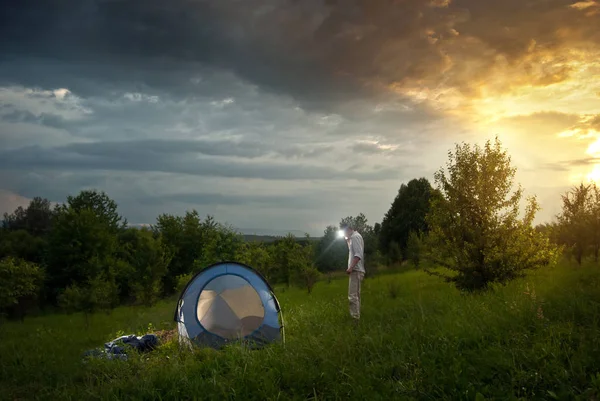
(81, 254)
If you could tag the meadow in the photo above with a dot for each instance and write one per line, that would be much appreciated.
(419, 338)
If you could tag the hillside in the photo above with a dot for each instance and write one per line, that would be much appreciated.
(419, 338)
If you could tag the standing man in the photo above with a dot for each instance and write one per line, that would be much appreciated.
(356, 268)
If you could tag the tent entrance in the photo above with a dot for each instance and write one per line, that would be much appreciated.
(230, 307)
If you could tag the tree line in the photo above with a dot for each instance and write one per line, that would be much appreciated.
(469, 230)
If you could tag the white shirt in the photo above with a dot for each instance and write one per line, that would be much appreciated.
(356, 247)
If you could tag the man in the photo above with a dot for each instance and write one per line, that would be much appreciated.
(356, 268)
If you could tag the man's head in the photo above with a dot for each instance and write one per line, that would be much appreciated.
(347, 229)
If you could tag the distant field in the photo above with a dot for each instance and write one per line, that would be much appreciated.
(538, 338)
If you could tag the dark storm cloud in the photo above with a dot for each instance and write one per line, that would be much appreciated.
(130, 157)
(296, 201)
(46, 119)
(319, 52)
(249, 149)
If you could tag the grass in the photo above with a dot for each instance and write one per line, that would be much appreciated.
(537, 338)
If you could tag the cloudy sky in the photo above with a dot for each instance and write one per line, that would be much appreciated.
(289, 114)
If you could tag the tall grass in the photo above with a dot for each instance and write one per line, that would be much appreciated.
(537, 338)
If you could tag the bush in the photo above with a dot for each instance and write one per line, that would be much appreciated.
(307, 276)
(414, 248)
(476, 225)
(19, 280)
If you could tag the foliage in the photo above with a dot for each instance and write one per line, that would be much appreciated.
(406, 214)
(81, 246)
(579, 222)
(98, 293)
(19, 279)
(304, 271)
(102, 206)
(194, 244)
(414, 247)
(36, 219)
(219, 243)
(394, 253)
(258, 256)
(475, 225)
(22, 244)
(149, 260)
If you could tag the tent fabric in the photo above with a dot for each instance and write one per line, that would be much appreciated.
(228, 302)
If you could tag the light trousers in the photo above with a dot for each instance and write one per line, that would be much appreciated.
(354, 285)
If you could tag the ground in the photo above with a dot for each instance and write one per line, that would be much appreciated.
(419, 338)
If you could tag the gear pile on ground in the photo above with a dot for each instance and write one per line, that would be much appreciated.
(118, 348)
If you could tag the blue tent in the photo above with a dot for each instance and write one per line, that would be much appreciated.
(228, 302)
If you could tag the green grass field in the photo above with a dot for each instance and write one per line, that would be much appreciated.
(538, 338)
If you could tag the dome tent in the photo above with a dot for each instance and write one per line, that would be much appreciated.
(228, 302)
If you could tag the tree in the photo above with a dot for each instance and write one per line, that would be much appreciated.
(36, 219)
(83, 243)
(475, 225)
(98, 293)
(194, 244)
(256, 255)
(414, 247)
(102, 206)
(304, 271)
(577, 220)
(220, 243)
(183, 237)
(22, 244)
(149, 260)
(285, 256)
(19, 281)
(406, 214)
(360, 224)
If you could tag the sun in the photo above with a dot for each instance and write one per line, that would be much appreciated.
(594, 175)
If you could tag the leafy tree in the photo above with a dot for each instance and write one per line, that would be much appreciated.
(414, 247)
(101, 204)
(194, 244)
(183, 238)
(149, 260)
(360, 224)
(98, 293)
(20, 281)
(304, 271)
(22, 244)
(257, 256)
(285, 256)
(577, 220)
(83, 243)
(406, 214)
(36, 219)
(394, 253)
(220, 243)
(476, 225)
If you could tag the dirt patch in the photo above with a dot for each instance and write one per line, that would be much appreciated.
(165, 336)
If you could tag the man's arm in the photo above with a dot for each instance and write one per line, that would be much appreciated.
(353, 264)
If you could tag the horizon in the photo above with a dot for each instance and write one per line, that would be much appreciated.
(290, 115)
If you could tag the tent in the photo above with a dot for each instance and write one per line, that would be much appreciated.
(228, 302)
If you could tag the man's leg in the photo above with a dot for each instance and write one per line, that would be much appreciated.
(354, 285)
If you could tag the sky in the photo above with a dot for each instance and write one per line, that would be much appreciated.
(290, 114)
